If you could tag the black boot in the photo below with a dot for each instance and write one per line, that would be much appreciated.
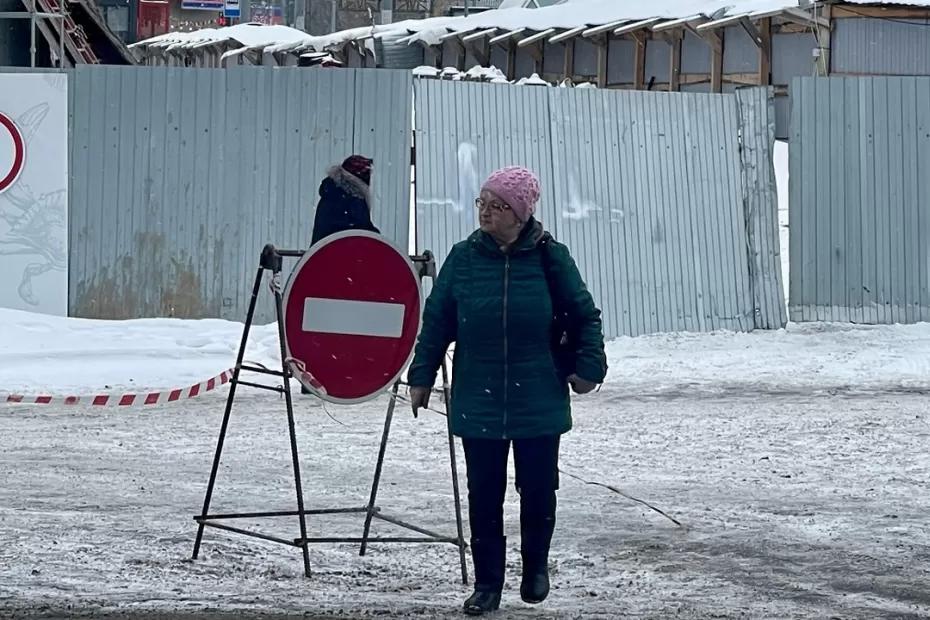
(534, 588)
(481, 602)
(489, 557)
(537, 526)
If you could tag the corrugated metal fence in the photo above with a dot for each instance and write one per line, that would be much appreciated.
(667, 200)
(859, 183)
(180, 176)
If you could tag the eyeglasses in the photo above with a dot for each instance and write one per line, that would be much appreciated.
(496, 207)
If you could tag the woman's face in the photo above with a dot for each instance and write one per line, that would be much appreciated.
(496, 217)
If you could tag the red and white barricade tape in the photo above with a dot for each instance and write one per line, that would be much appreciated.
(124, 400)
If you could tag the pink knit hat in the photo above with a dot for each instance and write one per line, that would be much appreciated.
(516, 186)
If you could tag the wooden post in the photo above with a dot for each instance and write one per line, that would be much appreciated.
(603, 52)
(462, 56)
(536, 50)
(824, 36)
(674, 72)
(716, 61)
(639, 62)
(765, 52)
(568, 65)
(482, 52)
(511, 59)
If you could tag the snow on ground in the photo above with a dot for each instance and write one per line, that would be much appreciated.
(795, 506)
(62, 356)
(796, 459)
(66, 356)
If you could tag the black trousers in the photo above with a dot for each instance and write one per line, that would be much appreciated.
(536, 462)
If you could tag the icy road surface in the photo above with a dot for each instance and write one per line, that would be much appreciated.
(796, 505)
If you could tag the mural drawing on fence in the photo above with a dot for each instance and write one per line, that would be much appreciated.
(34, 192)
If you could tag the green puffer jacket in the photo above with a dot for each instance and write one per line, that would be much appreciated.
(498, 310)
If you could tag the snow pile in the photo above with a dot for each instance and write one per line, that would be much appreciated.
(427, 72)
(450, 73)
(490, 74)
(63, 355)
(533, 80)
(802, 358)
(485, 74)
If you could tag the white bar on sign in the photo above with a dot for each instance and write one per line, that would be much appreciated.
(354, 318)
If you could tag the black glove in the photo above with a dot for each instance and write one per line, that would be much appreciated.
(419, 397)
(581, 386)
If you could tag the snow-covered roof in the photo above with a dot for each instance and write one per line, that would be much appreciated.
(246, 35)
(565, 19)
(590, 14)
(583, 15)
(270, 38)
(528, 4)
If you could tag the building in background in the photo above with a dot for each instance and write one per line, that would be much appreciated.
(663, 46)
(69, 33)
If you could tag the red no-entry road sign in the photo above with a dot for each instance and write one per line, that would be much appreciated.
(351, 316)
(12, 152)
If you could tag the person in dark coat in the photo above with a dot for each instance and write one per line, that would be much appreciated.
(345, 199)
(345, 203)
(525, 328)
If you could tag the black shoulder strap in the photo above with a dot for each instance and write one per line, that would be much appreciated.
(550, 276)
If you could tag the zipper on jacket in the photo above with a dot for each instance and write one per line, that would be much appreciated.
(506, 346)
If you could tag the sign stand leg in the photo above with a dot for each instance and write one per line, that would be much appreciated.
(373, 511)
(229, 404)
(285, 371)
(372, 508)
(447, 397)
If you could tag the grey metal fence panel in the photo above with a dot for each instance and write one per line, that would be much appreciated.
(646, 189)
(864, 46)
(651, 204)
(858, 184)
(463, 132)
(180, 176)
(757, 136)
(383, 130)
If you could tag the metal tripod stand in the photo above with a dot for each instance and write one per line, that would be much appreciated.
(272, 261)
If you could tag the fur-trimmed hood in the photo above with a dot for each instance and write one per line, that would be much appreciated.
(338, 179)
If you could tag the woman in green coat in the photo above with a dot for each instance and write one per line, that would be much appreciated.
(525, 328)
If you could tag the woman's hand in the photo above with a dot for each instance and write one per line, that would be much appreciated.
(419, 397)
(581, 386)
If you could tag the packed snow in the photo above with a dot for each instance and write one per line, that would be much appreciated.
(65, 356)
(796, 461)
